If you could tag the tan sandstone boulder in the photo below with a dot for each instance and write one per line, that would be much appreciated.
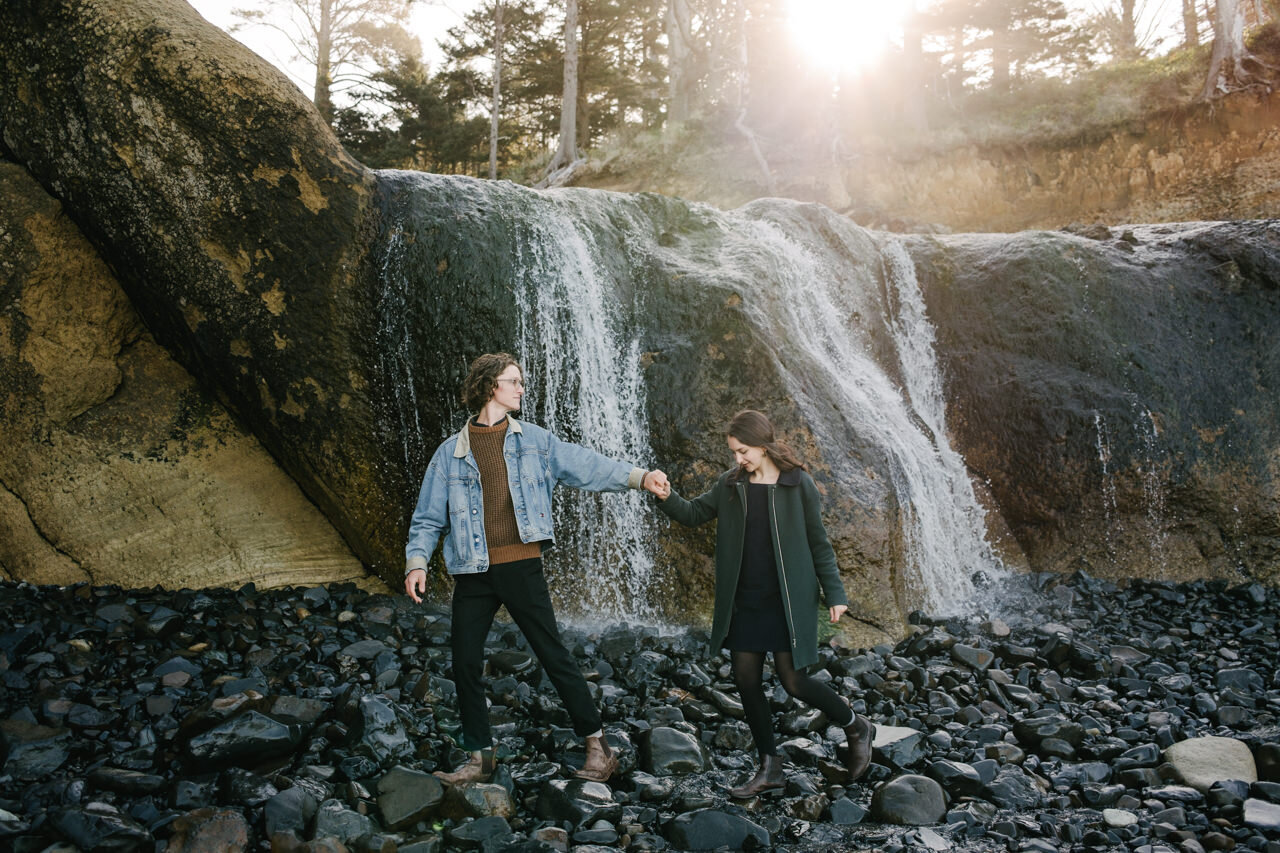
(116, 467)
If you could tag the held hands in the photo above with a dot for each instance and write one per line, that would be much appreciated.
(415, 584)
(838, 611)
(656, 483)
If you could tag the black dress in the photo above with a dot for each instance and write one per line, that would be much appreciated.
(758, 623)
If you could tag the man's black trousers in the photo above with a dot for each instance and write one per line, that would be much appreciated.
(523, 589)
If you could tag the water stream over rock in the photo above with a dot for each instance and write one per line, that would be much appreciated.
(843, 329)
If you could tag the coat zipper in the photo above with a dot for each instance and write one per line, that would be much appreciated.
(777, 542)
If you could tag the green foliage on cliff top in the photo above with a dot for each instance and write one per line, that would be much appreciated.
(1088, 106)
(1045, 111)
(1085, 108)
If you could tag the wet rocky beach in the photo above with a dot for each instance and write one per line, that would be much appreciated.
(1073, 715)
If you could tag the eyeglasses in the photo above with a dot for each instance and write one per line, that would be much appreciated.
(518, 383)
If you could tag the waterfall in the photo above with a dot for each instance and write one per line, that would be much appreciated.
(564, 276)
(955, 545)
(583, 374)
(396, 353)
(1150, 459)
(579, 351)
(820, 315)
(1110, 507)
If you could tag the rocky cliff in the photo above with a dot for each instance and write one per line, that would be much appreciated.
(1116, 391)
(116, 468)
(209, 184)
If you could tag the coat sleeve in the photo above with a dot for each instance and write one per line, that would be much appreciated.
(430, 517)
(583, 468)
(700, 510)
(824, 556)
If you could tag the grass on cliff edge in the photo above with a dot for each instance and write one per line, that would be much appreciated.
(1043, 112)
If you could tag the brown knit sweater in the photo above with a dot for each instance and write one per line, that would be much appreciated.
(500, 530)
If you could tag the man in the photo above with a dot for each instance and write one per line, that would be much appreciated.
(488, 491)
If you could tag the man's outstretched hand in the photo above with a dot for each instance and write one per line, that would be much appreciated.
(657, 484)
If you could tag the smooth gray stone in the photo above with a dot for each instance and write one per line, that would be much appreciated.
(709, 829)
(909, 800)
(1261, 814)
(335, 820)
(406, 796)
(670, 752)
(1013, 789)
(291, 809)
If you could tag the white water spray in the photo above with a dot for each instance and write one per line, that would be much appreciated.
(583, 370)
(814, 315)
(1150, 459)
(1110, 508)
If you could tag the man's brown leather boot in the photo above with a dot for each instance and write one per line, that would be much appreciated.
(601, 761)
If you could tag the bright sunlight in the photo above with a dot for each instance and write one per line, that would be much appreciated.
(845, 35)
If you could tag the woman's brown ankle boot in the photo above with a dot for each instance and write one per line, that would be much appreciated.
(768, 779)
(860, 733)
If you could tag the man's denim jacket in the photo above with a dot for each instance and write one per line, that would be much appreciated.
(451, 503)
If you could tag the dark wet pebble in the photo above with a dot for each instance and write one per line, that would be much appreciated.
(308, 719)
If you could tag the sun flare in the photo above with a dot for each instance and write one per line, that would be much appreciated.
(845, 35)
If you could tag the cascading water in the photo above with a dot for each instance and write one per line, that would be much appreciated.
(584, 384)
(814, 317)
(957, 529)
(1152, 457)
(1110, 508)
(583, 369)
(844, 324)
(1151, 526)
(396, 353)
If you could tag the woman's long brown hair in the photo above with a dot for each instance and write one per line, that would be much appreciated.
(755, 430)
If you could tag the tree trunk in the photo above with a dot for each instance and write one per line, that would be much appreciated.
(679, 38)
(720, 57)
(1226, 69)
(497, 91)
(913, 110)
(1128, 47)
(744, 83)
(324, 75)
(582, 113)
(1001, 53)
(567, 152)
(1190, 24)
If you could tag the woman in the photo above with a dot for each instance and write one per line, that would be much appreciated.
(772, 555)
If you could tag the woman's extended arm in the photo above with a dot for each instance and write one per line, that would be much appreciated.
(692, 513)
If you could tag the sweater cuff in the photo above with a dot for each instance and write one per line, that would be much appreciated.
(636, 479)
(415, 562)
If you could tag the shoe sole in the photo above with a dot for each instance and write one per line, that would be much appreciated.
(767, 792)
(596, 777)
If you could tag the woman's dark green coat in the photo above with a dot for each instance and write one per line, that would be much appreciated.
(804, 555)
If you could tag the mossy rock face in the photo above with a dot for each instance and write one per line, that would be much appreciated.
(1117, 392)
(116, 467)
(231, 215)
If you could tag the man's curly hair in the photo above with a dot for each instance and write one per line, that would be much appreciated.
(478, 387)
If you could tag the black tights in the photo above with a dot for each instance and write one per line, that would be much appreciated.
(748, 675)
